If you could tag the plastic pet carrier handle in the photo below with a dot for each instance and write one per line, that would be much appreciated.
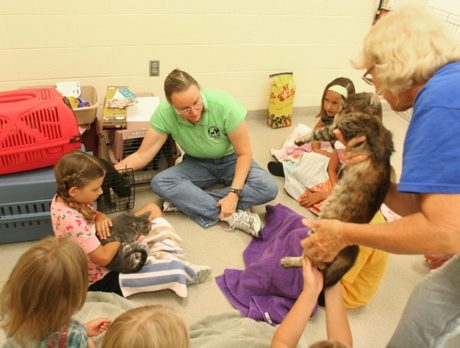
(14, 97)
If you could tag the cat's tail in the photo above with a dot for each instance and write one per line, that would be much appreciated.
(343, 262)
(135, 256)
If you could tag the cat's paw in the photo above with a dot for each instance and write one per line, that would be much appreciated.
(302, 140)
(291, 261)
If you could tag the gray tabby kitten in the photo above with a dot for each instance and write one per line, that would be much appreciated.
(132, 255)
(362, 187)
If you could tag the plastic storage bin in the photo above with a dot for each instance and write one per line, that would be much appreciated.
(87, 114)
(125, 142)
(37, 127)
(25, 200)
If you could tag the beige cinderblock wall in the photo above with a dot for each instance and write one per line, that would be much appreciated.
(230, 45)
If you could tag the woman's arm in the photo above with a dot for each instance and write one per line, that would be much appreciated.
(151, 145)
(433, 230)
(338, 328)
(402, 203)
(242, 145)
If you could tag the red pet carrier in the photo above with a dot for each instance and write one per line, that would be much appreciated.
(37, 127)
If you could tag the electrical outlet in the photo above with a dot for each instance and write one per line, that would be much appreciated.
(154, 68)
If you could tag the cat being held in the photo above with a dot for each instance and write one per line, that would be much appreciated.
(132, 255)
(361, 187)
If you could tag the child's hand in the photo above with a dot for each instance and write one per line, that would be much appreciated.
(97, 326)
(436, 261)
(103, 224)
(309, 198)
(312, 277)
(227, 205)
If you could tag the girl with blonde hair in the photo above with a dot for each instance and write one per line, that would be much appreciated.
(45, 289)
(154, 326)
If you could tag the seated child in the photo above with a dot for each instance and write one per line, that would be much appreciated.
(154, 326)
(332, 101)
(45, 289)
(79, 177)
(314, 196)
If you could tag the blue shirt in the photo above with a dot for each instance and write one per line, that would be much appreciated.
(431, 155)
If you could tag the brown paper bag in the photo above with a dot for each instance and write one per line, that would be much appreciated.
(281, 100)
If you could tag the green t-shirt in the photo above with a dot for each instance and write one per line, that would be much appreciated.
(222, 114)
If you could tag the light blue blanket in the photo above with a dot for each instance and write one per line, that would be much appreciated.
(225, 330)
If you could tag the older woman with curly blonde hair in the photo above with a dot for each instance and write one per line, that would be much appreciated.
(414, 61)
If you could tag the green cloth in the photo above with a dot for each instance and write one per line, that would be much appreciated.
(208, 139)
(225, 330)
(230, 330)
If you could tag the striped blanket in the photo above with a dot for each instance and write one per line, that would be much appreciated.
(165, 267)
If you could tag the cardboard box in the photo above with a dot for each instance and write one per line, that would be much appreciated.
(113, 118)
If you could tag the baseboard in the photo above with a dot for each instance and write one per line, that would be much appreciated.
(304, 110)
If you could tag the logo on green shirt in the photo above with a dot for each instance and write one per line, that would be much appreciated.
(214, 132)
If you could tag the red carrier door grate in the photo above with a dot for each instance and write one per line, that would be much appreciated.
(36, 129)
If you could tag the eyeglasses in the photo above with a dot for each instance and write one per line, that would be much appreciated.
(367, 77)
(187, 111)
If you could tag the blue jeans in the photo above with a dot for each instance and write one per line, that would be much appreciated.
(184, 184)
(432, 313)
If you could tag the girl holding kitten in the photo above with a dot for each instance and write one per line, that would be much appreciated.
(45, 289)
(79, 178)
(300, 169)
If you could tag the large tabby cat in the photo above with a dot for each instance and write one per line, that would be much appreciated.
(362, 187)
(132, 255)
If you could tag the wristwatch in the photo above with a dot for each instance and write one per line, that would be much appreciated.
(239, 192)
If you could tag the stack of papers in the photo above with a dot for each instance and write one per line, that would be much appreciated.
(114, 114)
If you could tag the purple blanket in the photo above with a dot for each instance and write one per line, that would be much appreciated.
(265, 290)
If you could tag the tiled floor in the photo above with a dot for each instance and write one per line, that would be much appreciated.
(372, 325)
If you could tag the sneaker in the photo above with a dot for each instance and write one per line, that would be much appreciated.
(169, 207)
(245, 221)
(276, 168)
(202, 273)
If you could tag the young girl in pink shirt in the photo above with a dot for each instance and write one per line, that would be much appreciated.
(79, 178)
